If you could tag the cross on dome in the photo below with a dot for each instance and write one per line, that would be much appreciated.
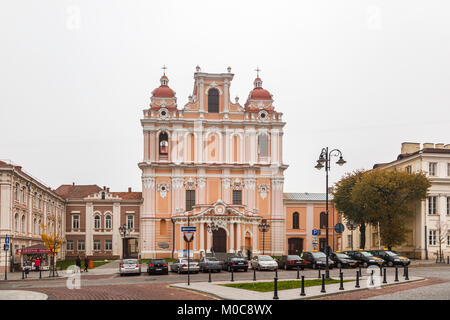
(257, 71)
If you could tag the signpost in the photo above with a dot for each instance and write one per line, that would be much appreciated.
(339, 228)
(188, 237)
(315, 241)
(6, 248)
(352, 226)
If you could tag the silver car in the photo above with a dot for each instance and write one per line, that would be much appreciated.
(181, 265)
(264, 263)
(129, 266)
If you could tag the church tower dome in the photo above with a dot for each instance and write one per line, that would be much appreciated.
(258, 93)
(163, 91)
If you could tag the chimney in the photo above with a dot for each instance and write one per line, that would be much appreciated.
(439, 146)
(428, 145)
(104, 187)
(129, 189)
(73, 184)
(107, 189)
(410, 147)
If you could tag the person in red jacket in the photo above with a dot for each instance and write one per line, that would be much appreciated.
(37, 263)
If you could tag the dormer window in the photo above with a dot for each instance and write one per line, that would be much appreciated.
(103, 195)
(213, 100)
(163, 143)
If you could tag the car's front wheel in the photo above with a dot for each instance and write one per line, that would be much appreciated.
(390, 263)
(365, 264)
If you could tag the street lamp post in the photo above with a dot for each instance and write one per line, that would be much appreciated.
(325, 158)
(263, 227)
(123, 232)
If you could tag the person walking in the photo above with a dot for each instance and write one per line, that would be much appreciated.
(78, 263)
(86, 263)
(37, 263)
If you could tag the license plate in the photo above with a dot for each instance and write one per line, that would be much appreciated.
(158, 269)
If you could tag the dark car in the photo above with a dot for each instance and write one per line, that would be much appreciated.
(365, 258)
(157, 266)
(316, 259)
(235, 263)
(291, 262)
(341, 260)
(391, 258)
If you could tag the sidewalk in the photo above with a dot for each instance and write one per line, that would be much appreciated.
(22, 295)
(229, 293)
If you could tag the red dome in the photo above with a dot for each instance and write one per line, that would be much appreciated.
(163, 92)
(260, 94)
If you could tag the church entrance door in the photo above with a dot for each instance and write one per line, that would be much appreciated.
(220, 241)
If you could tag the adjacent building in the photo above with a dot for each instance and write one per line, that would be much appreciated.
(429, 229)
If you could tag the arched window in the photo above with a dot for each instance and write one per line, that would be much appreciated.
(213, 100)
(16, 192)
(323, 220)
(34, 226)
(24, 195)
(16, 222)
(108, 222)
(163, 143)
(97, 222)
(295, 220)
(40, 202)
(34, 200)
(39, 226)
(262, 145)
(23, 224)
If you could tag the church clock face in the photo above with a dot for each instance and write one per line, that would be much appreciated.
(219, 209)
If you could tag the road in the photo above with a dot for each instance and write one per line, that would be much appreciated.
(153, 287)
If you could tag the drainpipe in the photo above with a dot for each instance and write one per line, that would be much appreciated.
(173, 236)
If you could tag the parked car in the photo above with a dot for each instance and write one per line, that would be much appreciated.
(316, 259)
(156, 266)
(341, 260)
(365, 258)
(181, 265)
(235, 263)
(291, 262)
(210, 263)
(264, 263)
(391, 258)
(129, 266)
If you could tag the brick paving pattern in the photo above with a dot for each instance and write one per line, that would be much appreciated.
(386, 290)
(145, 291)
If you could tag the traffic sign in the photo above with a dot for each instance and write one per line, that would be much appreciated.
(339, 228)
(6, 247)
(7, 240)
(315, 232)
(188, 236)
(188, 229)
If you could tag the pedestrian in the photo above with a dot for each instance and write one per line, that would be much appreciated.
(37, 263)
(78, 263)
(86, 263)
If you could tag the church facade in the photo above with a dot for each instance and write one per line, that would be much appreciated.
(216, 165)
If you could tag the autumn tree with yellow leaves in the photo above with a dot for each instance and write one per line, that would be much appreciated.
(52, 237)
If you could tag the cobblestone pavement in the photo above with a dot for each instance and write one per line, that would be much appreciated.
(145, 291)
(112, 286)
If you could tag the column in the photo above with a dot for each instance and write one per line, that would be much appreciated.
(231, 226)
(116, 237)
(202, 236)
(255, 248)
(238, 236)
(208, 242)
(88, 231)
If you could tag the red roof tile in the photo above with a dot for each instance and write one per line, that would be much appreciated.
(70, 191)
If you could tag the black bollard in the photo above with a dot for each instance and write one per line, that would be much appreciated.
(303, 287)
(276, 273)
(275, 288)
(381, 271)
(384, 276)
(323, 284)
(357, 279)
(407, 276)
(232, 274)
(360, 274)
(404, 271)
(209, 279)
(254, 274)
(396, 274)
(371, 279)
(319, 274)
(448, 259)
(23, 274)
(341, 276)
(298, 272)
(40, 274)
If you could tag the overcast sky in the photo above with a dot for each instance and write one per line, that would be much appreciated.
(362, 76)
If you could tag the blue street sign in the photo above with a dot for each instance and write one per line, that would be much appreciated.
(7, 240)
(6, 247)
(188, 229)
(315, 232)
(339, 228)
